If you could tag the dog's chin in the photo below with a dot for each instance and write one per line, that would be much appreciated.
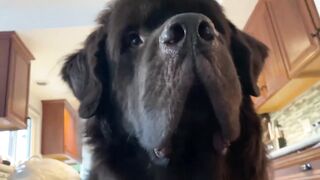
(198, 130)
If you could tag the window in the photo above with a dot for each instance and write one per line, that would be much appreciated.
(15, 145)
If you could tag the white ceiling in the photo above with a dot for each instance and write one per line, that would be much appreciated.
(49, 47)
(51, 29)
(35, 14)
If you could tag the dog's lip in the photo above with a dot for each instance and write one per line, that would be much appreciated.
(220, 141)
(220, 144)
(163, 152)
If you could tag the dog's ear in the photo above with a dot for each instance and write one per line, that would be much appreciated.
(80, 72)
(249, 56)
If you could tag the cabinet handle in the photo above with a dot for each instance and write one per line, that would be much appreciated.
(316, 34)
(306, 167)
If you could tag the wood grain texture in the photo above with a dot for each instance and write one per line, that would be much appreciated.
(15, 78)
(284, 25)
(18, 87)
(289, 167)
(60, 131)
(52, 127)
(286, 94)
(294, 26)
(4, 68)
(274, 75)
(296, 158)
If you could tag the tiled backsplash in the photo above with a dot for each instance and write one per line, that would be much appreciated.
(297, 118)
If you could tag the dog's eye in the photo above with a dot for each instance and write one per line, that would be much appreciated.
(134, 39)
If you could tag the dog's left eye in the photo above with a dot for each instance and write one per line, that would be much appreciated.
(134, 39)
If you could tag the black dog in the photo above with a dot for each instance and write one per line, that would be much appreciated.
(165, 86)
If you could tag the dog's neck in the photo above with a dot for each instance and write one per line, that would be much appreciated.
(117, 157)
(130, 161)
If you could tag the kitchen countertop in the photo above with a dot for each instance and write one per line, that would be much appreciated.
(295, 147)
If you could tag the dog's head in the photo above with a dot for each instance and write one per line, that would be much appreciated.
(163, 64)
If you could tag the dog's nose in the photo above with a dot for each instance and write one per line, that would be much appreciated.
(187, 25)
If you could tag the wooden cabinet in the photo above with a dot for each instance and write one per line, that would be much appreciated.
(293, 65)
(14, 81)
(274, 75)
(60, 131)
(300, 165)
(296, 28)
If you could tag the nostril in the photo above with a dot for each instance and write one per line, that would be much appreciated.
(173, 34)
(206, 31)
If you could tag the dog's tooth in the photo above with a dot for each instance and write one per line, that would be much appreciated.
(159, 153)
(219, 144)
(224, 151)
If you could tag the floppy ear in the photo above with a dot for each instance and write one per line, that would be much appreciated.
(80, 72)
(249, 56)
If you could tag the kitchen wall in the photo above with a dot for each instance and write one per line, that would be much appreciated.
(297, 118)
(35, 112)
(237, 11)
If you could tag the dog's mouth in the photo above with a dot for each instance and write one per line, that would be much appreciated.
(198, 131)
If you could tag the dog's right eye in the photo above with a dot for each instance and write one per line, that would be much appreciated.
(134, 39)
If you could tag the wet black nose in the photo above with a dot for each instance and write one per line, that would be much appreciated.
(188, 25)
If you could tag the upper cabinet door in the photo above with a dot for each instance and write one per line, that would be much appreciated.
(295, 28)
(274, 75)
(18, 89)
(14, 81)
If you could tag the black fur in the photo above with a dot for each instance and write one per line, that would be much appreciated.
(188, 100)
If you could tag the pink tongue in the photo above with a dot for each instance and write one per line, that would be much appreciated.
(220, 145)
